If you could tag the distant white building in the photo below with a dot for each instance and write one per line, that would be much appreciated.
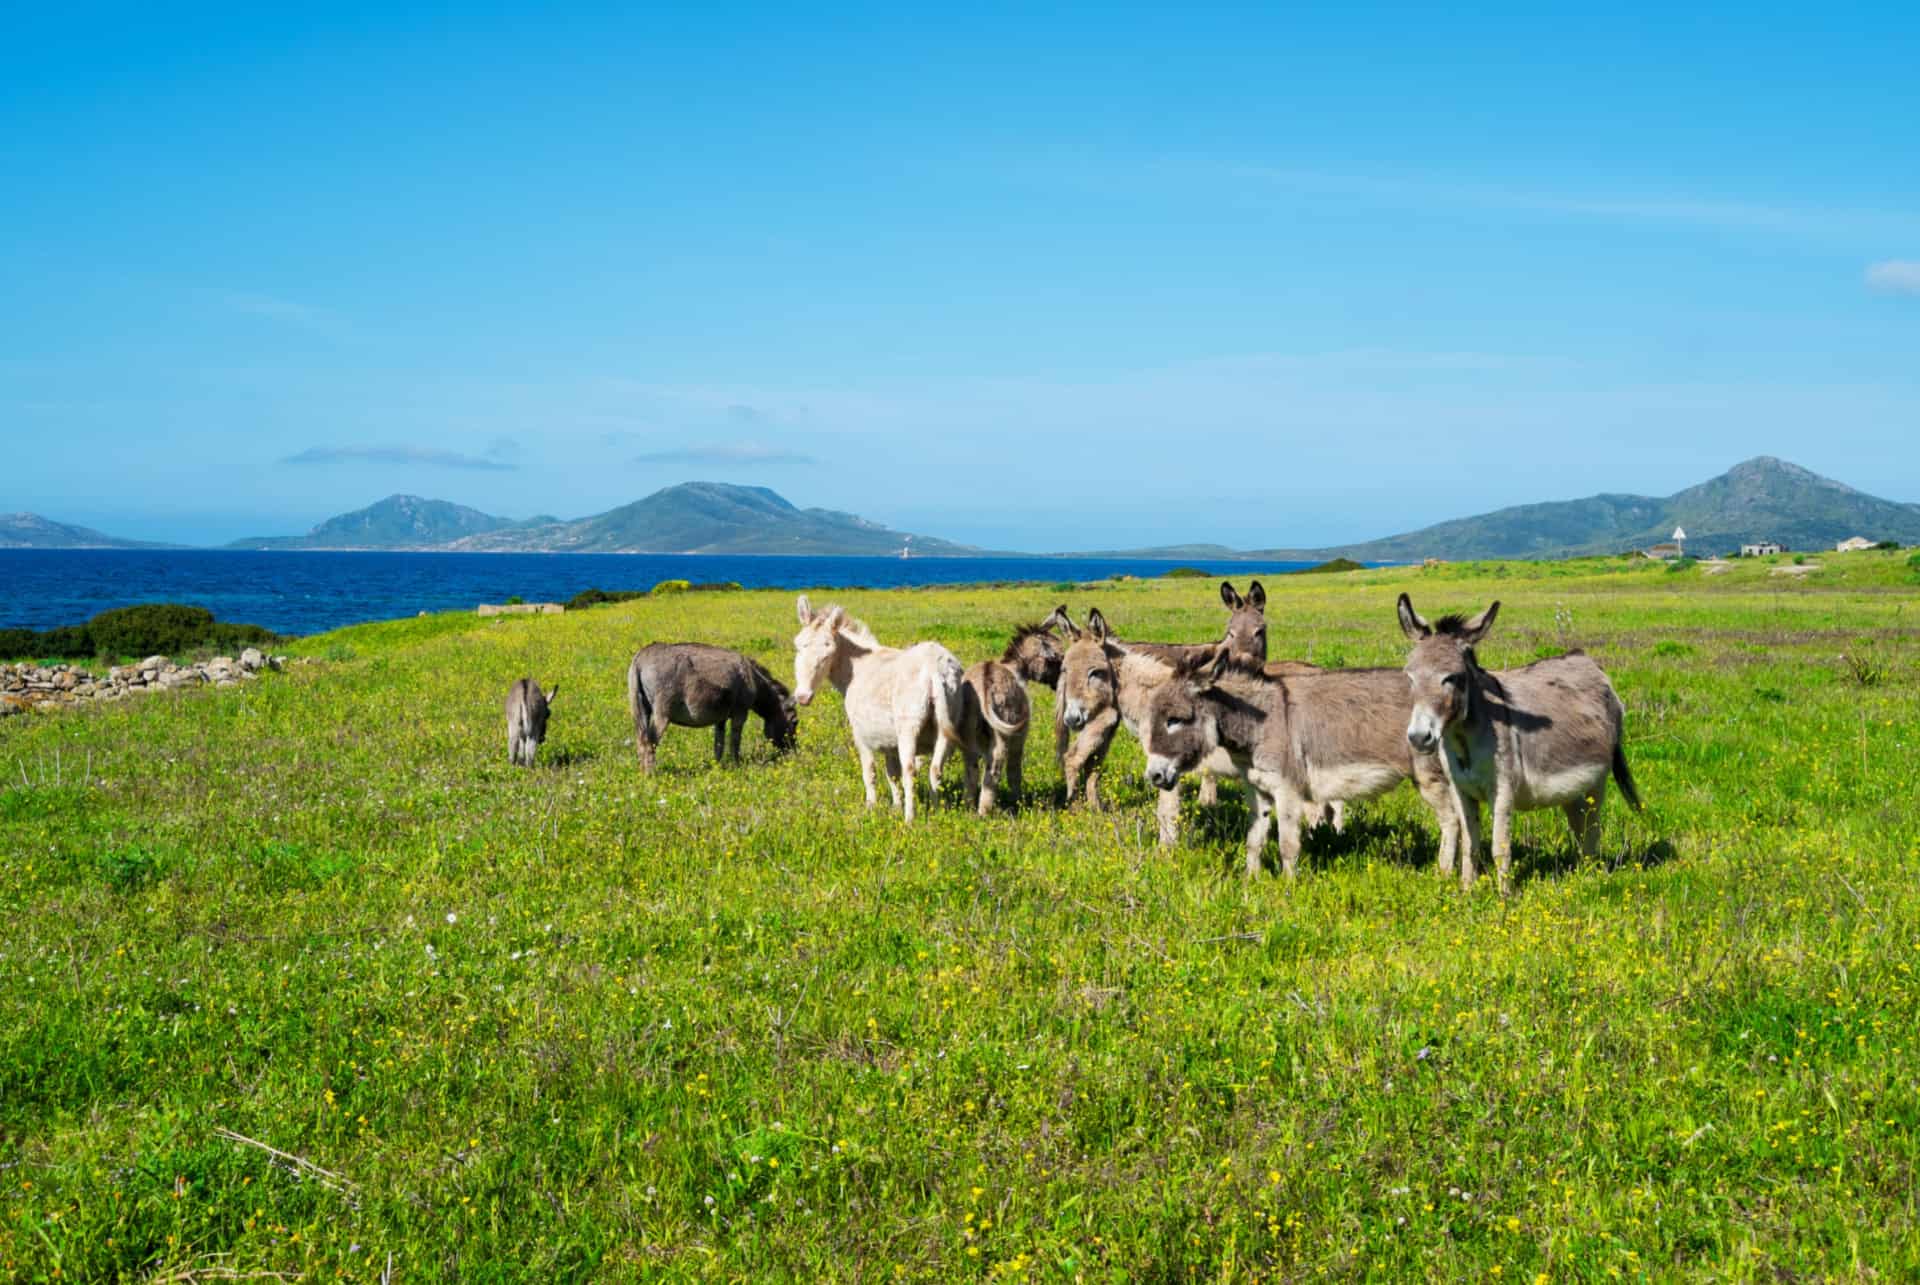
(1760, 549)
(1853, 544)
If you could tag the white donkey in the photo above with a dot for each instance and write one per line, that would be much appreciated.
(899, 703)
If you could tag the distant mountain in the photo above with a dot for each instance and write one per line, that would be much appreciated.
(1761, 499)
(397, 522)
(31, 531)
(713, 517)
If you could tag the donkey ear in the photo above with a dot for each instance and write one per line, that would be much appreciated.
(804, 608)
(1257, 596)
(1477, 628)
(1228, 596)
(1097, 624)
(1207, 673)
(1063, 620)
(1412, 623)
(553, 695)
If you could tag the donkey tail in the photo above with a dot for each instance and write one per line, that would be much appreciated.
(947, 680)
(1623, 777)
(1004, 704)
(639, 704)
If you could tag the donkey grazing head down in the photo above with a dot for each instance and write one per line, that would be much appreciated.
(1441, 669)
(527, 711)
(777, 711)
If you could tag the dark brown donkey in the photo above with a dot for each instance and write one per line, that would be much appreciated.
(695, 685)
(995, 711)
(1545, 735)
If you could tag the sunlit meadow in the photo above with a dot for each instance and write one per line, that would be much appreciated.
(303, 978)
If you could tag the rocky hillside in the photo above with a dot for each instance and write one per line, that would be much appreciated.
(397, 522)
(714, 517)
(31, 531)
(1761, 499)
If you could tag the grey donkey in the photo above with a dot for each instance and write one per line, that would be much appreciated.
(1542, 736)
(696, 685)
(995, 711)
(527, 710)
(1303, 740)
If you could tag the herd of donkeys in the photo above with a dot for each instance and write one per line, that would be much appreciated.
(1306, 740)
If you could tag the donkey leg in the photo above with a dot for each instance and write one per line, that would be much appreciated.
(1287, 815)
(645, 743)
(734, 732)
(1469, 811)
(1016, 755)
(1166, 816)
(1209, 789)
(1503, 839)
(989, 777)
(942, 751)
(892, 763)
(1339, 810)
(1257, 832)
(1583, 818)
(866, 771)
(720, 742)
(909, 734)
(1438, 794)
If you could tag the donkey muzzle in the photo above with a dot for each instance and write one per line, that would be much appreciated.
(1162, 776)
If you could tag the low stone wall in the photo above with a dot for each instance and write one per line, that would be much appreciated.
(47, 687)
(521, 609)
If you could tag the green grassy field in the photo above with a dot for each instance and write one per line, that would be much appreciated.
(576, 1023)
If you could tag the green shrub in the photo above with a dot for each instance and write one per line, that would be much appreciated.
(596, 597)
(672, 586)
(715, 586)
(148, 629)
(1332, 564)
(165, 628)
(1682, 564)
(515, 600)
(1186, 573)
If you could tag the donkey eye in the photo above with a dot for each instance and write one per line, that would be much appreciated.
(1454, 680)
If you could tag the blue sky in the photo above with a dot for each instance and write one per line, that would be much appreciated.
(1090, 277)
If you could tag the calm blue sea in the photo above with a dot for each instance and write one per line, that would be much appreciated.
(305, 593)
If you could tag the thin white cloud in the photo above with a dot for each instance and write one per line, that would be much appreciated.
(429, 456)
(286, 312)
(725, 453)
(1636, 207)
(1896, 276)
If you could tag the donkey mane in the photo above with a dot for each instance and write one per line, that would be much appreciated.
(760, 672)
(1020, 635)
(1454, 624)
(848, 625)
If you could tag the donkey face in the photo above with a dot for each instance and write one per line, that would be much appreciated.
(1179, 730)
(1247, 626)
(814, 647)
(782, 719)
(1441, 669)
(1088, 684)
